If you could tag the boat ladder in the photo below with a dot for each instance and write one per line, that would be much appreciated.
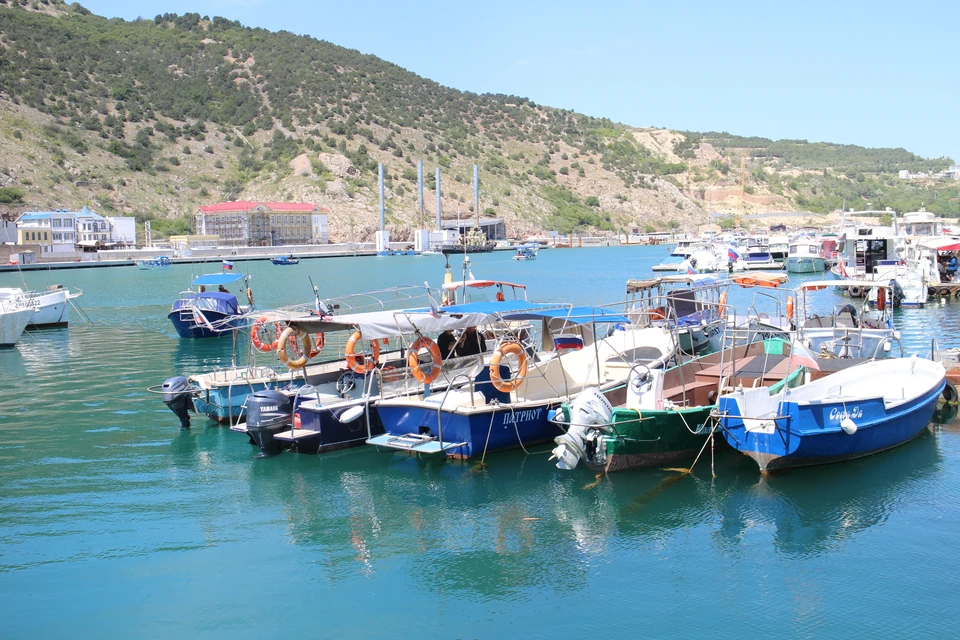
(414, 443)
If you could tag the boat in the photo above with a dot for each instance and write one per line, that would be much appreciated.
(908, 288)
(285, 260)
(526, 252)
(692, 305)
(473, 242)
(666, 416)
(756, 258)
(859, 411)
(13, 320)
(211, 314)
(849, 330)
(51, 306)
(554, 351)
(805, 256)
(683, 249)
(157, 262)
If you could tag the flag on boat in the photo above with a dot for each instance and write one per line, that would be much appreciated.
(733, 254)
(690, 270)
(227, 265)
(574, 343)
(801, 355)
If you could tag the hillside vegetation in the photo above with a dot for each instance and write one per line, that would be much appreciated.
(158, 116)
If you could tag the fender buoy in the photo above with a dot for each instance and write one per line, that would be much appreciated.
(945, 292)
(508, 349)
(289, 337)
(413, 360)
(260, 345)
(249, 295)
(855, 292)
(881, 298)
(317, 345)
(790, 307)
(949, 393)
(359, 362)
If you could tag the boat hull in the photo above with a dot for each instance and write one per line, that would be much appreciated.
(660, 437)
(187, 327)
(327, 433)
(805, 265)
(12, 324)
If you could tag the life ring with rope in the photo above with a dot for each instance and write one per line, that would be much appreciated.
(359, 362)
(658, 314)
(881, 298)
(317, 346)
(503, 350)
(424, 374)
(288, 339)
(723, 301)
(257, 342)
(790, 307)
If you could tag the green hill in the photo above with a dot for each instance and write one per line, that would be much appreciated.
(156, 117)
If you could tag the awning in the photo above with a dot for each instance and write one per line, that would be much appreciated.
(218, 278)
(480, 284)
(376, 325)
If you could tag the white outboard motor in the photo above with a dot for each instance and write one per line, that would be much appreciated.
(644, 389)
(590, 415)
(178, 396)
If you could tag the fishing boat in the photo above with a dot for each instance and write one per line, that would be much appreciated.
(805, 256)
(285, 260)
(666, 414)
(13, 320)
(553, 351)
(692, 305)
(157, 262)
(850, 329)
(855, 412)
(51, 306)
(211, 314)
(526, 252)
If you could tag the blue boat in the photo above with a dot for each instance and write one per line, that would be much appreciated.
(555, 351)
(158, 262)
(856, 412)
(210, 314)
(285, 260)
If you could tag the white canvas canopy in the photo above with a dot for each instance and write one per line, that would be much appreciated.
(376, 325)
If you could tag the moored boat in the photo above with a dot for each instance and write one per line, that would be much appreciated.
(157, 262)
(856, 412)
(13, 320)
(285, 260)
(210, 314)
(51, 307)
(805, 256)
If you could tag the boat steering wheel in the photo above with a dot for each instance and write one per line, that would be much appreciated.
(643, 374)
(346, 383)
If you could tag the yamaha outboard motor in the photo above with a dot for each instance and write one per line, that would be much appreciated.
(178, 396)
(268, 413)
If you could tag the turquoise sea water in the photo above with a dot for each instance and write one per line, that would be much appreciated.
(114, 523)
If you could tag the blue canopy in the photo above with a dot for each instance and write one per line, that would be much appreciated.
(218, 278)
(225, 303)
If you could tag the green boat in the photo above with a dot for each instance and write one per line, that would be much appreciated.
(666, 414)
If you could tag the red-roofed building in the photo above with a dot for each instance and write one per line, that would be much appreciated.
(263, 224)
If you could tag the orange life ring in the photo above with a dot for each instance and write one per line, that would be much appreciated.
(288, 337)
(500, 297)
(790, 306)
(881, 298)
(413, 360)
(317, 345)
(658, 314)
(508, 349)
(723, 300)
(258, 344)
(358, 362)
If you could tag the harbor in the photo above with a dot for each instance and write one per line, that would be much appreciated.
(108, 500)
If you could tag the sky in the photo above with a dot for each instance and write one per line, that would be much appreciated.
(878, 74)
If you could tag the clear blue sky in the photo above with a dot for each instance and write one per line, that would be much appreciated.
(879, 74)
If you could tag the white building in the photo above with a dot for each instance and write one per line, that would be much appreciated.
(123, 231)
(54, 230)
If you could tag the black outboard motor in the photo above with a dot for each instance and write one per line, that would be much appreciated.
(268, 412)
(178, 396)
(897, 294)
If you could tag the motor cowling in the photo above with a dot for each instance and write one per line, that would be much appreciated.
(178, 396)
(590, 416)
(268, 409)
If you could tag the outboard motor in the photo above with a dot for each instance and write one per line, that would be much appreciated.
(268, 412)
(590, 417)
(897, 294)
(178, 396)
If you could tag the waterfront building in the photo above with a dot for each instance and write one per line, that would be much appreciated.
(54, 231)
(263, 224)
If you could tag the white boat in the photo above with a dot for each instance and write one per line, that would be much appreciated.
(805, 256)
(908, 287)
(13, 320)
(526, 252)
(51, 307)
(158, 262)
(850, 330)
